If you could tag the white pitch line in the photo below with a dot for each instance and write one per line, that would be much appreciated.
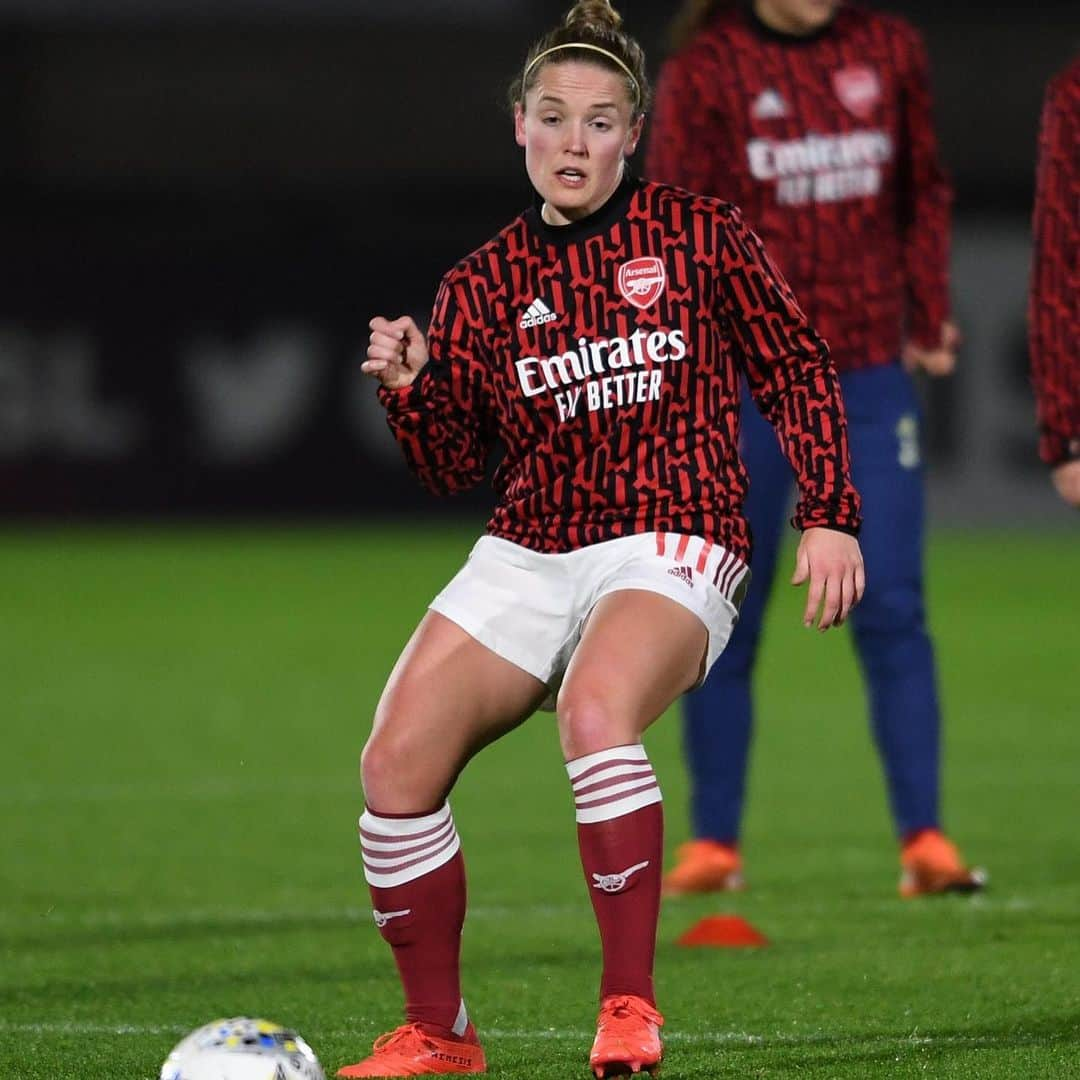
(694, 1038)
(113, 917)
(103, 919)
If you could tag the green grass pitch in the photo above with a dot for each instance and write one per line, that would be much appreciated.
(182, 716)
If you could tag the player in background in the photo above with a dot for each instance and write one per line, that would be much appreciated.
(814, 117)
(1054, 313)
(599, 337)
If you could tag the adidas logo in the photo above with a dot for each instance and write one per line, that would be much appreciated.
(767, 105)
(536, 314)
(683, 574)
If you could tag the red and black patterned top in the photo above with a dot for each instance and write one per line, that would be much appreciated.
(826, 144)
(1054, 314)
(604, 355)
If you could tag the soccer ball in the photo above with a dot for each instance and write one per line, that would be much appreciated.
(242, 1049)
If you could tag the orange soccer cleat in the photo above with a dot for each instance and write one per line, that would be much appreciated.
(627, 1037)
(931, 865)
(411, 1051)
(703, 866)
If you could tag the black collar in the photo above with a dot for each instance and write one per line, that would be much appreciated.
(598, 221)
(769, 33)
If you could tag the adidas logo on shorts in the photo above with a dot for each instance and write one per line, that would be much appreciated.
(683, 574)
(536, 314)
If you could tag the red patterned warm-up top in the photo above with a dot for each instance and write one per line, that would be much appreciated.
(826, 143)
(1054, 315)
(605, 356)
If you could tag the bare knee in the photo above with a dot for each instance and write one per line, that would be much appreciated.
(377, 766)
(589, 721)
(400, 774)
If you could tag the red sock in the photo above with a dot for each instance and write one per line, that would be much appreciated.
(621, 837)
(416, 873)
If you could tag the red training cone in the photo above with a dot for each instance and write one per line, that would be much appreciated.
(724, 932)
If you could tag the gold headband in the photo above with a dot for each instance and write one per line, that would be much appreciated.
(580, 45)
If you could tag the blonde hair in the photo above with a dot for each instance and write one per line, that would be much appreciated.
(591, 32)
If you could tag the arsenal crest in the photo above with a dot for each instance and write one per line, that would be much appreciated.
(642, 281)
(858, 88)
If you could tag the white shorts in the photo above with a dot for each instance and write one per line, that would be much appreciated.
(530, 608)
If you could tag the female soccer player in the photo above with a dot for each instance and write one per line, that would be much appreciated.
(599, 337)
(1054, 315)
(814, 117)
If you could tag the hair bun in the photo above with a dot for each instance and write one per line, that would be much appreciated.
(596, 15)
(591, 32)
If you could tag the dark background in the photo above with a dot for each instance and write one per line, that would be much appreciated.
(203, 204)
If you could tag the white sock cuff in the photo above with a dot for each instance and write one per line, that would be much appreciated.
(611, 783)
(400, 849)
(630, 752)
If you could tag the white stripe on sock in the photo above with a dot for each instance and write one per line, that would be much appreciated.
(607, 775)
(630, 752)
(394, 828)
(395, 852)
(462, 1021)
(633, 783)
(621, 808)
(612, 783)
(407, 848)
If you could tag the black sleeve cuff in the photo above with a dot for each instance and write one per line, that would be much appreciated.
(850, 530)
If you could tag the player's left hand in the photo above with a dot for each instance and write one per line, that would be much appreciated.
(1066, 479)
(832, 562)
(938, 361)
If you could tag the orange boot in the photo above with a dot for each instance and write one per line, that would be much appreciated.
(627, 1037)
(704, 866)
(930, 864)
(410, 1051)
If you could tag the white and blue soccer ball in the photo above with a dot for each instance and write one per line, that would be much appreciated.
(242, 1049)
